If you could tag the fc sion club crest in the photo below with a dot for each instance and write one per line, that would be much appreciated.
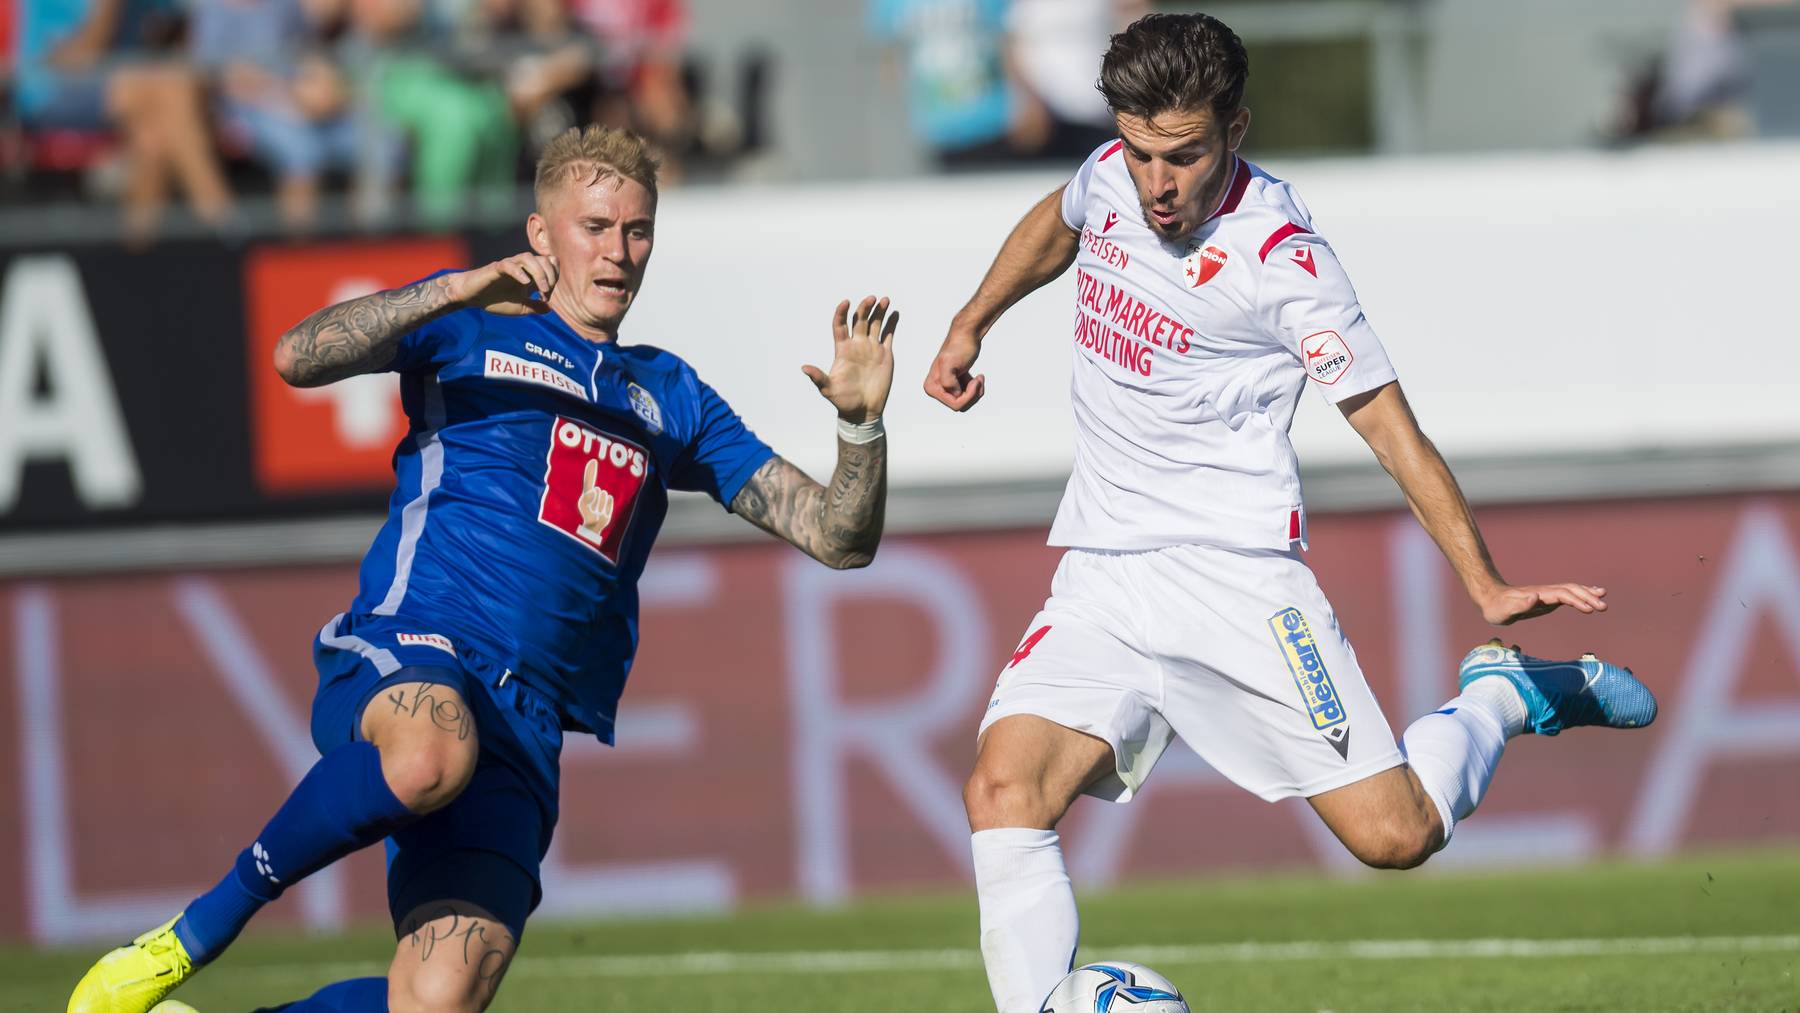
(1200, 265)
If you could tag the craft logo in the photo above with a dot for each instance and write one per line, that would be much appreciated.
(1308, 669)
(1325, 356)
(436, 640)
(550, 353)
(499, 365)
(1201, 265)
(646, 407)
(591, 485)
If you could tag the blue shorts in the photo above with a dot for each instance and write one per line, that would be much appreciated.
(485, 847)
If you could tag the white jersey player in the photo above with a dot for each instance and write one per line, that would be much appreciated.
(1205, 304)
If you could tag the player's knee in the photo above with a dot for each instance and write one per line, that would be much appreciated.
(427, 777)
(437, 989)
(1394, 845)
(996, 799)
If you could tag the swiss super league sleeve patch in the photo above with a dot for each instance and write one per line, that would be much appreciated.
(1326, 356)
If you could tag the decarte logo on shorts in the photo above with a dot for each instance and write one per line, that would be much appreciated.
(591, 485)
(1307, 666)
(437, 640)
(1325, 356)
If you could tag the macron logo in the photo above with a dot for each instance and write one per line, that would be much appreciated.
(1303, 257)
(1112, 218)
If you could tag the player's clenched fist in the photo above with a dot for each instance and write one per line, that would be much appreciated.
(505, 286)
(948, 380)
(862, 360)
(595, 504)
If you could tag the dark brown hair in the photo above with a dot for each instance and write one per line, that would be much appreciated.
(1174, 61)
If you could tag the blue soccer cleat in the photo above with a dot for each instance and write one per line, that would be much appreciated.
(1564, 694)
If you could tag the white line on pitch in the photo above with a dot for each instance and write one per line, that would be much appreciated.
(856, 961)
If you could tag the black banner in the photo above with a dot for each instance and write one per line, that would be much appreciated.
(136, 387)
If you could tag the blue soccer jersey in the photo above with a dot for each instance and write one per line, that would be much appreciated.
(531, 484)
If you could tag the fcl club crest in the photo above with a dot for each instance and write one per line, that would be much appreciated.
(646, 407)
(1199, 266)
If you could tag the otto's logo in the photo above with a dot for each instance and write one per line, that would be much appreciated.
(1201, 265)
(591, 486)
(1307, 666)
(1325, 356)
(436, 640)
(645, 406)
(1112, 218)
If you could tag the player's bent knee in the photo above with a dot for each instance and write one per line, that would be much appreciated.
(436, 990)
(426, 777)
(994, 799)
(1393, 846)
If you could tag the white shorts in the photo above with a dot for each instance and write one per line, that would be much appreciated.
(1238, 652)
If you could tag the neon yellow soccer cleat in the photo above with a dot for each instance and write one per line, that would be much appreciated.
(134, 978)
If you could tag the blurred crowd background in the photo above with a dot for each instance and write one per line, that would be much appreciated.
(254, 115)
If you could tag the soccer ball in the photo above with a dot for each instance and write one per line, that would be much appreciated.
(1114, 987)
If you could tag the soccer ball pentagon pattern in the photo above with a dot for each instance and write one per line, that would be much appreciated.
(1114, 987)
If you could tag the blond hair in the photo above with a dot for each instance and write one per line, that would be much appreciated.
(592, 154)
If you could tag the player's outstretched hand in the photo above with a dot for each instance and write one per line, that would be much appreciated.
(505, 286)
(862, 360)
(1509, 604)
(948, 380)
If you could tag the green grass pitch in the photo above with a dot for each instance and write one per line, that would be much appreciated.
(1701, 933)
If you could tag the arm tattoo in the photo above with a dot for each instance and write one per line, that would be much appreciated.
(358, 335)
(839, 525)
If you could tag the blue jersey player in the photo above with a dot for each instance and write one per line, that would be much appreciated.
(498, 604)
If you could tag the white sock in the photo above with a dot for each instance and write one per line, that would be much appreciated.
(1029, 927)
(1499, 693)
(1455, 749)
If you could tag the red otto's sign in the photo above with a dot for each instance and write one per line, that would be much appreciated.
(795, 731)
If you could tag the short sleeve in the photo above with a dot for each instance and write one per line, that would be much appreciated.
(436, 342)
(722, 454)
(1075, 194)
(1307, 303)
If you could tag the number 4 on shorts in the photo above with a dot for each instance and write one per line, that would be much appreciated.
(1024, 650)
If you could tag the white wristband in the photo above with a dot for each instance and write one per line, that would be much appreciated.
(861, 432)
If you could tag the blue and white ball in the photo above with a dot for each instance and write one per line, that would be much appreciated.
(1114, 986)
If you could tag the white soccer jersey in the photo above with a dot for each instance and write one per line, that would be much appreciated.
(1189, 361)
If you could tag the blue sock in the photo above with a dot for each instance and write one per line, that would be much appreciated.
(358, 995)
(343, 804)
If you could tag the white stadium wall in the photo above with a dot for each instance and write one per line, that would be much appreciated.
(1532, 303)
